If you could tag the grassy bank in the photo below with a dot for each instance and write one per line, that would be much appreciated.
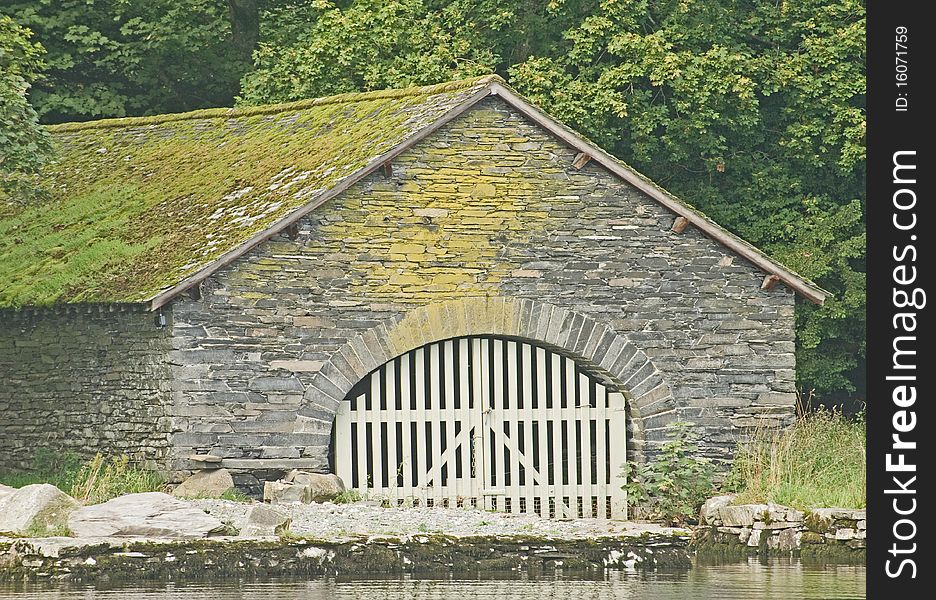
(96, 480)
(819, 462)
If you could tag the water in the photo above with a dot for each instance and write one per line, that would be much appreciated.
(749, 580)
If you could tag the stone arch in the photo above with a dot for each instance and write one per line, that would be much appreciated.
(595, 346)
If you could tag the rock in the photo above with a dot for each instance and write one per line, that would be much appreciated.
(38, 509)
(845, 534)
(708, 514)
(776, 524)
(788, 540)
(754, 539)
(302, 486)
(205, 484)
(279, 492)
(263, 520)
(150, 514)
(742, 515)
(833, 514)
(780, 513)
(5, 490)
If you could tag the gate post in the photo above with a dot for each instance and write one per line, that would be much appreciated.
(618, 455)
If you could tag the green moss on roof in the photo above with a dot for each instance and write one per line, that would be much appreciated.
(139, 204)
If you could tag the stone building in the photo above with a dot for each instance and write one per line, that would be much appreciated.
(225, 282)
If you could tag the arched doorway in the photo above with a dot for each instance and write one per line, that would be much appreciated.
(486, 421)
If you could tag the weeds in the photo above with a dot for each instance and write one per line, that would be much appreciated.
(818, 462)
(347, 497)
(674, 486)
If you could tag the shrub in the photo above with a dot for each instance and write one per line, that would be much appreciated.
(818, 462)
(673, 487)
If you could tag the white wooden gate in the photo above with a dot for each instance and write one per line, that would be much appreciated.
(485, 422)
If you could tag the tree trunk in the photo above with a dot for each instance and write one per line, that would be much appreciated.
(245, 27)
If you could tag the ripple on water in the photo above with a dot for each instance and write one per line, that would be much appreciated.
(775, 579)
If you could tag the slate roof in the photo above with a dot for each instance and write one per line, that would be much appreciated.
(143, 208)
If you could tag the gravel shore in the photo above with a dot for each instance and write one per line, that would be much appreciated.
(340, 521)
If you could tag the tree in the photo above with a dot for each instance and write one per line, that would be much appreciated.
(310, 49)
(111, 58)
(24, 145)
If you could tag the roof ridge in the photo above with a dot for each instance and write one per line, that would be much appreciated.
(264, 109)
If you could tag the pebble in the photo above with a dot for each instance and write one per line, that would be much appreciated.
(329, 521)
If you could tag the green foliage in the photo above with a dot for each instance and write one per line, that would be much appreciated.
(118, 57)
(323, 48)
(326, 47)
(24, 145)
(57, 468)
(348, 497)
(819, 462)
(96, 480)
(101, 479)
(673, 487)
(235, 496)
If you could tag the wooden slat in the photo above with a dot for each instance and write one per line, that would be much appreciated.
(391, 419)
(374, 420)
(360, 419)
(434, 417)
(582, 413)
(405, 391)
(527, 417)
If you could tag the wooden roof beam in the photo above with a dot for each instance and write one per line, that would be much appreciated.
(581, 159)
(770, 281)
(680, 224)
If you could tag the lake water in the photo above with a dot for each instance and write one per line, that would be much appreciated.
(786, 579)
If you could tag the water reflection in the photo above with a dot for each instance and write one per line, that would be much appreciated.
(775, 579)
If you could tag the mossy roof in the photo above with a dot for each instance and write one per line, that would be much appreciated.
(140, 204)
(142, 208)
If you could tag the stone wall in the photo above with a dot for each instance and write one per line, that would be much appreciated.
(83, 379)
(776, 529)
(488, 209)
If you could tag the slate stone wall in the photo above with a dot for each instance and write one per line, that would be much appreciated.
(487, 209)
(83, 379)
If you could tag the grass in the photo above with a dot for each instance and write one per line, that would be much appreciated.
(59, 469)
(101, 479)
(91, 482)
(818, 462)
(348, 497)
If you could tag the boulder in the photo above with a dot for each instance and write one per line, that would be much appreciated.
(742, 515)
(39, 509)
(788, 540)
(279, 492)
(302, 486)
(150, 514)
(708, 514)
(6, 490)
(263, 520)
(205, 484)
(318, 487)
